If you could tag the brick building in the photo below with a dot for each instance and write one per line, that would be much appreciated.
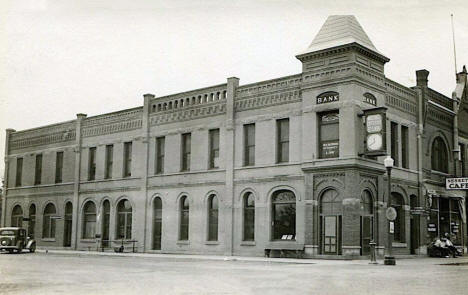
(236, 169)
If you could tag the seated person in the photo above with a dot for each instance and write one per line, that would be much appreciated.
(451, 248)
(441, 246)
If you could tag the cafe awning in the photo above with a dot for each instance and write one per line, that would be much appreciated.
(434, 191)
(440, 192)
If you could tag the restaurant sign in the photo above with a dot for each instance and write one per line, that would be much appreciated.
(329, 96)
(460, 183)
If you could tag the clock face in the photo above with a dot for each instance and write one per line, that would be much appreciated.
(374, 142)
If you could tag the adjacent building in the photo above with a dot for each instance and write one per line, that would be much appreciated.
(243, 169)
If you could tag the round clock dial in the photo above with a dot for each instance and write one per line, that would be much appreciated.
(374, 142)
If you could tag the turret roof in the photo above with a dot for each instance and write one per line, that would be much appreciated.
(340, 30)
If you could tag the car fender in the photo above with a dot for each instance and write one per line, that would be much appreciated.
(29, 243)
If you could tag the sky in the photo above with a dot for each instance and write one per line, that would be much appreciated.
(63, 57)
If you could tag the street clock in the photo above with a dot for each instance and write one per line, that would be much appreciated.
(375, 122)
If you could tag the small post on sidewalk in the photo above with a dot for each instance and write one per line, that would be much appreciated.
(373, 258)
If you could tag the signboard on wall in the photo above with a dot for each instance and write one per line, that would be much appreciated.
(460, 183)
(330, 149)
(329, 96)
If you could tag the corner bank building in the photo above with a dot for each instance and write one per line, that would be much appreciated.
(284, 164)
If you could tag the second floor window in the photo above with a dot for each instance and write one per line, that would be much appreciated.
(186, 151)
(58, 167)
(184, 209)
(282, 131)
(160, 153)
(463, 160)
(92, 164)
(394, 141)
(329, 135)
(214, 148)
(439, 155)
(249, 144)
(404, 147)
(38, 170)
(19, 171)
(127, 159)
(109, 161)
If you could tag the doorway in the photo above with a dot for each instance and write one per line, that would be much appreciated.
(331, 235)
(331, 208)
(68, 221)
(366, 234)
(105, 224)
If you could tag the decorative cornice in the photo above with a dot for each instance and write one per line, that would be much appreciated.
(185, 114)
(267, 100)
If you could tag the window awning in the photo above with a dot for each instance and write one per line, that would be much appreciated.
(434, 191)
(440, 192)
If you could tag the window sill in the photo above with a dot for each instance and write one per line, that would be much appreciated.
(247, 243)
(183, 242)
(211, 242)
(440, 173)
(48, 239)
(399, 245)
(87, 241)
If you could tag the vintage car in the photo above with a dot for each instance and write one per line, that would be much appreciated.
(16, 239)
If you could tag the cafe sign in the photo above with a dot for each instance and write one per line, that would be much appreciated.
(329, 96)
(460, 183)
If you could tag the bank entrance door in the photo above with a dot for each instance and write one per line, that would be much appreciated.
(366, 234)
(331, 234)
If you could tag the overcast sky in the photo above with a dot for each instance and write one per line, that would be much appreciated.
(62, 57)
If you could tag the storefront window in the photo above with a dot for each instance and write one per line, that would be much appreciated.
(284, 215)
(444, 219)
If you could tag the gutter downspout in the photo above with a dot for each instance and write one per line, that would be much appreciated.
(5, 177)
(146, 129)
(76, 186)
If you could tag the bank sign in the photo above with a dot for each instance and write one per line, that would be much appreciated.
(460, 183)
(329, 96)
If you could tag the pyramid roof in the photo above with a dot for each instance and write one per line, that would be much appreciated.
(340, 30)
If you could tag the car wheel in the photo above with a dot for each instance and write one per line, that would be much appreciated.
(10, 251)
(32, 248)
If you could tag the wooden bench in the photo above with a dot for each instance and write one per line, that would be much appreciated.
(283, 248)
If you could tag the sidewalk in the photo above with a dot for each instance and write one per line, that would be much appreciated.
(403, 260)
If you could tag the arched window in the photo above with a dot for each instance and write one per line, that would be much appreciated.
(367, 207)
(439, 155)
(17, 216)
(157, 223)
(89, 220)
(184, 218)
(48, 222)
(249, 217)
(32, 220)
(330, 203)
(124, 220)
(212, 218)
(399, 223)
(284, 215)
